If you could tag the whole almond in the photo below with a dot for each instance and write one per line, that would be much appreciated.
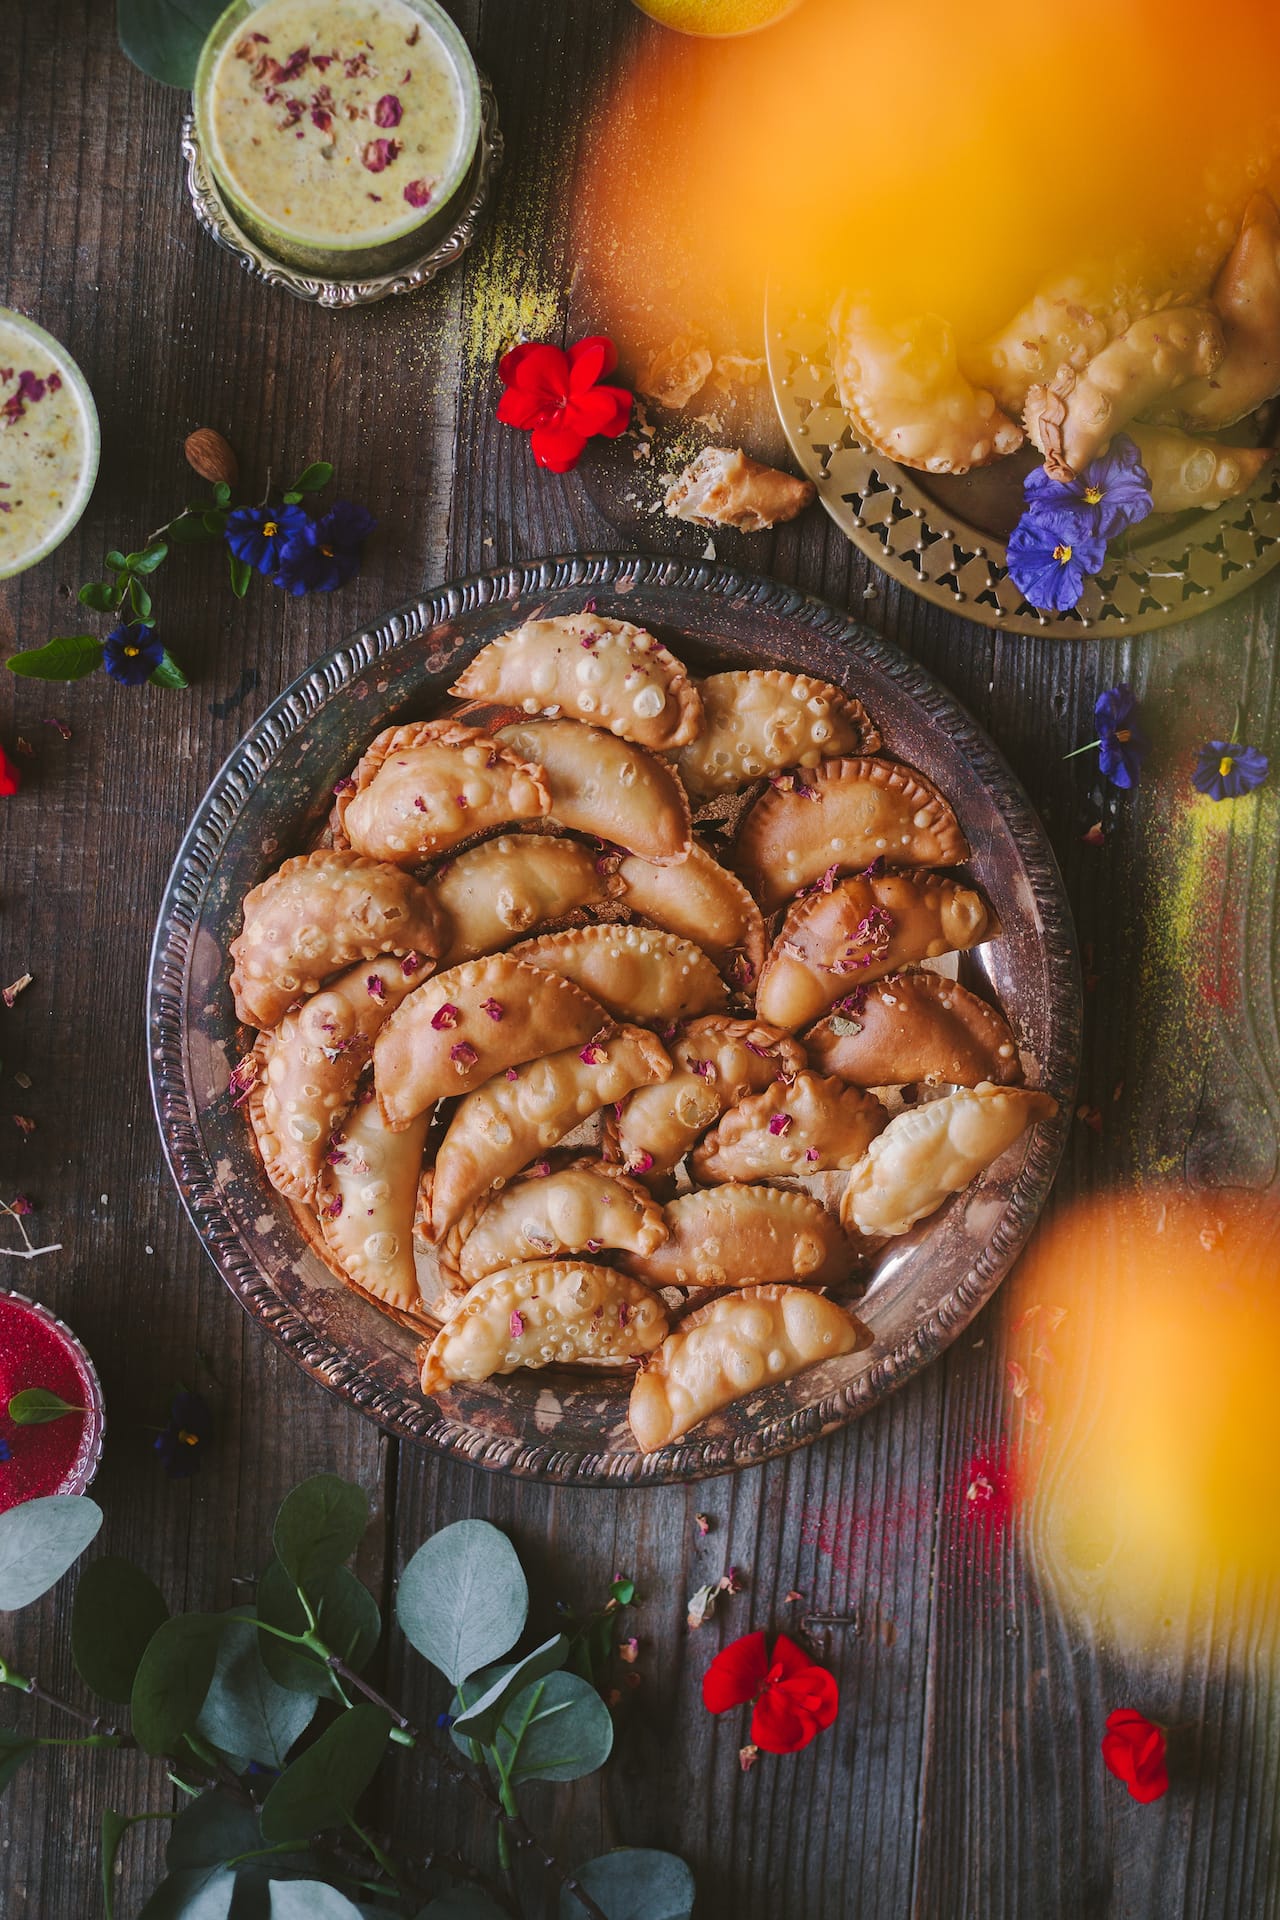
(212, 457)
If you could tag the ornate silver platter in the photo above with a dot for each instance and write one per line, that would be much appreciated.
(211, 211)
(269, 801)
(944, 535)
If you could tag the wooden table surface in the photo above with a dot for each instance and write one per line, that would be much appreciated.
(962, 1780)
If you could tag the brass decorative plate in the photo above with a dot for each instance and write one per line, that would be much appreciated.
(943, 535)
(270, 800)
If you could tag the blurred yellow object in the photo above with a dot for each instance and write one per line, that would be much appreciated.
(1144, 1352)
(715, 18)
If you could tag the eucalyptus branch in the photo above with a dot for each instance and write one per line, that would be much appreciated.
(24, 1683)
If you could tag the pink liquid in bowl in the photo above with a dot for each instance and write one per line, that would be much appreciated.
(58, 1456)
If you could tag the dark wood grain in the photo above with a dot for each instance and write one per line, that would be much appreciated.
(962, 1779)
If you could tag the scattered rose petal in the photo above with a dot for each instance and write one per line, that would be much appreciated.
(334, 1207)
(591, 1055)
(418, 193)
(243, 1079)
(379, 154)
(793, 1597)
(410, 964)
(705, 1069)
(1018, 1378)
(702, 1521)
(375, 986)
(388, 112)
(345, 786)
(16, 987)
(21, 1205)
(629, 1650)
(24, 1125)
(463, 1055)
(640, 1163)
(59, 726)
(747, 1757)
(1095, 837)
(516, 1323)
(540, 1169)
(512, 1074)
(494, 1008)
(446, 1016)
(780, 1123)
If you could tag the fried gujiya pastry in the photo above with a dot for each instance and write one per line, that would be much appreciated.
(916, 1029)
(929, 1152)
(312, 1062)
(734, 1346)
(478, 1019)
(866, 927)
(545, 1313)
(420, 789)
(584, 667)
(366, 1200)
(743, 1236)
(903, 389)
(504, 1125)
(637, 973)
(703, 902)
(1063, 325)
(760, 721)
(576, 1209)
(607, 787)
(840, 818)
(316, 915)
(812, 1124)
(1186, 473)
(498, 892)
(716, 1061)
(1247, 295)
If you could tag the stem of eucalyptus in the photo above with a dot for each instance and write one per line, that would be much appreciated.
(24, 1684)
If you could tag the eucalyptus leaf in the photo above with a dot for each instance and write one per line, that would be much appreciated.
(480, 1720)
(241, 574)
(467, 1903)
(98, 595)
(213, 1829)
(70, 657)
(173, 1678)
(313, 478)
(463, 1598)
(169, 673)
(139, 599)
(319, 1526)
(39, 1540)
(203, 1895)
(15, 1747)
(116, 1610)
(557, 1729)
(347, 1620)
(245, 1711)
(149, 559)
(36, 1406)
(634, 1883)
(310, 1900)
(323, 1785)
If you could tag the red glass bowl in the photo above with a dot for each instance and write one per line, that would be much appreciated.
(63, 1476)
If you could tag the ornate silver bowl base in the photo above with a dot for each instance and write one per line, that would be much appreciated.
(214, 216)
(943, 535)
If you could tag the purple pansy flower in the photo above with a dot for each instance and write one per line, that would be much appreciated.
(1111, 493)
(1225, 769)
(189, 1431)
(325, 553)
(1049, 558)
(256, 534)
(1122, 744)
(132, 654)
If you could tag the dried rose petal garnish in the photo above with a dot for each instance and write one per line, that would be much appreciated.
(410, 963)
(463, 1055)
(388, 112)
(516, 1323)
(705, 1069)
(591, 1055)
(16, 987)
(640, 1163)
(780, 1123)
(418, 193)
(334, 1207)
(243, 1079)
(375, 987)
(379, 154)
(446, 1016)
(494, 1008)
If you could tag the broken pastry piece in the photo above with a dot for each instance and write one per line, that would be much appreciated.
(580, 1208)
(700, 901)
(1247, 295)
(929, 1152)
(865, 928)
(716, 1062)
(477, 1020)
(915, 1029)
(732, 1347)
(316, 915)
(366, 1199)
(1185, 472)
(840, 818)
(607, 787)
(584, 667)
(811, 1124)
(419, 790)
(546, 1313)
(907, 398)
(744, 1236)
(723, 487)
(675, 373)
(500, 891)
(636, 973)
(760, 721)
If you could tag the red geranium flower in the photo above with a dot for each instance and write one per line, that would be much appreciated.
(793, 1698)
(554, 398)
(1133, 1748)
(10, 778)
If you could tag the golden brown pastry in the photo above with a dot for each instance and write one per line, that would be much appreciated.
(1064, 325)
(863, 929)
(420, 789)
(905, 394)
(703, 902)
(498, 892)
(734, 1346)
(1247, 295)
(744, 1236)
(365, 1201)
(637, 973)
(811, 1124)
(761, 721)
(476, 1020)
(915, 1029)
(316, 915)
(931, 1151)
(675, 373)
(840, 818)
(716, 1062)
(546, 1313)
(584, 667)
(1186, 473)
(580, 1208)
(724, 488)
(607, 787)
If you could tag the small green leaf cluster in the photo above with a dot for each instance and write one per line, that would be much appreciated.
(262, 1718)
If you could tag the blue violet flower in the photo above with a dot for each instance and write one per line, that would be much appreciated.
(132, 654)
(1225, 769)
(326, 552)
(256, 534)
(188, 1433)
(1114, 490)
(1050, 556)
(1122, 744)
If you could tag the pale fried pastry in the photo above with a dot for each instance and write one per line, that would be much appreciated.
(498, 892)
(584, 667)
(607, 787)
(505, 1124)
(637, 973)
(1186, 472)
(742, 1236)
(716, 1061)
(760, 721)
(866, 927)
(810, 1124)
(1247, 295)
(902, 387)
(723, 487)
(1062, 325)
(366, 1199)
(673, 374)
(580, 1208)
(312, 1062)
(423, 788)
(545, 1313)
(703, 902)
(916, 1029)
(734, 1346)
(474, 1021)
(929, 1152)
(316, 915)
(840, 818)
